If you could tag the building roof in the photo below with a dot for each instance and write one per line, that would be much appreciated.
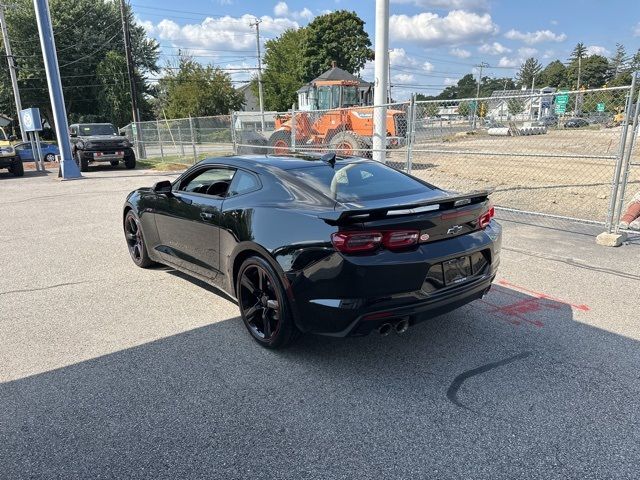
(336, 74)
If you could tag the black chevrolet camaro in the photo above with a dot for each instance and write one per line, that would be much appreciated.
(333, 246)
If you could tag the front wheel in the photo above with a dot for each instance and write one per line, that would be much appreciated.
(83, 163)
(135, 241)
(18, 168)
(130, 160)
(263, 304)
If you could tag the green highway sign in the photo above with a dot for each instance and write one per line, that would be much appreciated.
(600, 107)
(561, 108)
(562, 99)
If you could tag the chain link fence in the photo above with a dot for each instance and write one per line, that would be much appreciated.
(182, 140)
(547, 154)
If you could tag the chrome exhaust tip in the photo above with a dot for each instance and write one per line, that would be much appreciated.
(402, 326)
(385, 329)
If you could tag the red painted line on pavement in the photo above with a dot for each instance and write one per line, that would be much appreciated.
(541, 295)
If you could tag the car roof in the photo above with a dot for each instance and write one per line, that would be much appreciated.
(283, 162)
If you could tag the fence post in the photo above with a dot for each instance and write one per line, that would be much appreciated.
(160, 140)
(193, 140)
(626, 164)
(618, 168)
(411, 120)
(180, 141)
(233, 133)
(293, 127)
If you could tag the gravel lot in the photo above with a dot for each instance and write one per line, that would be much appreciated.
(111, 371)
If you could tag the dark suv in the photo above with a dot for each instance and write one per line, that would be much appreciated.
(100, 142)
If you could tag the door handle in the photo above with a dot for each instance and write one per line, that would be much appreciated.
(206, 216)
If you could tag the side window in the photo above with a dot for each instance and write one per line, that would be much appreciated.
(212, 181)
(243, 182)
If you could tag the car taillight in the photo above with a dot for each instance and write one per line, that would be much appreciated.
(486, 217)
(398, 239)
(358, 242)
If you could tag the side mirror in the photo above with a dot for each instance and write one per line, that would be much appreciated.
(12, 138)
(123, 134)
(163, 187)
(73, 134)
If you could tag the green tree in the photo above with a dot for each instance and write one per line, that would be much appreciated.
(337, 36)
(429, 109)
(190, 88)
(579, 51)
(593, 71)
(114, 96)
(554, 75)
(529, 70)
(619, 62)
(282, 76)
(89, 39)
(490, 85)
(464, 109)
(515, 106)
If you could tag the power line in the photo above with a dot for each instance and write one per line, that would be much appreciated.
(90, 54)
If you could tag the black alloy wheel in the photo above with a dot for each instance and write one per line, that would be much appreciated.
(263, 304)
(135, 241)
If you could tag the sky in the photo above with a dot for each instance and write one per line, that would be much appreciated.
(433, 42)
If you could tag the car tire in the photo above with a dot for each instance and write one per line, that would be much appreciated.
(83, 163)
(49, 157)
(130, 161)
(114, 163)
(263, 304)
(18, 168)
(134, 237)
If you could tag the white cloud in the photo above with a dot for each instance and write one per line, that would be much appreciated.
(147, 25)
(450, 81)
(548, 54)
(402, 77)
(460, 52)
(456, 27)
(227, 32)
(554, 22)
(427, 66)
(448, 4)
(282, 10)
(526, 52)
(509, 62)
(494, 48)
(598, 50)
(398, 58)
(636, 30)
(535, 37)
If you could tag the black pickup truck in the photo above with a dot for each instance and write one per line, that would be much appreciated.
(100, 142)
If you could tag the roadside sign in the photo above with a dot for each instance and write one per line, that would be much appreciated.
(561, 108)
(473, 104)
(562, 98)
(600, 107)
(30, 119)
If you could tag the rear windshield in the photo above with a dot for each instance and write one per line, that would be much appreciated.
(359, 181)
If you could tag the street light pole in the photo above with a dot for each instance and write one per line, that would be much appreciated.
(380, 83)
(12, 70)
(68, 166)
(256, 23)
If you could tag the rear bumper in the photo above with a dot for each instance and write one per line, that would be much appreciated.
(340, 296)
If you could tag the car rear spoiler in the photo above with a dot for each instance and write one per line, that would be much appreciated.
(441, 203)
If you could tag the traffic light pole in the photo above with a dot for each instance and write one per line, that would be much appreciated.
(68, 167)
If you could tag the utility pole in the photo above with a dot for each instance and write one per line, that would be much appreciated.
(256, 23)
(68, 167)
(131, 74)
(380, 82)
(12, 70)
(481, 66)
(533, 84)
(575, 108)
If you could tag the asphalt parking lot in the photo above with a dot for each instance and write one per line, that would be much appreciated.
(107, 370)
